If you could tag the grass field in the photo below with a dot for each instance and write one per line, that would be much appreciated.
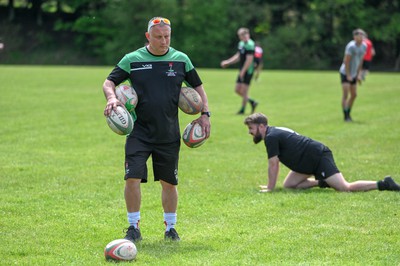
(61, 175)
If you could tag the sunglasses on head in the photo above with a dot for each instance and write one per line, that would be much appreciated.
(157, 21)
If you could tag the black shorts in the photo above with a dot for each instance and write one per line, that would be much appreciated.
(246, 79)
(366, 65)
(165, 158)
(343, 78)
(326, 166)
(257, 62)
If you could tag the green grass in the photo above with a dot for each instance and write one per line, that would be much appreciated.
(61, 175)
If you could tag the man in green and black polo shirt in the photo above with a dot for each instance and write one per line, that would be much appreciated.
(245, 57)
(156, 73)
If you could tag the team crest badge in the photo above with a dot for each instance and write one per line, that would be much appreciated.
(171, 72)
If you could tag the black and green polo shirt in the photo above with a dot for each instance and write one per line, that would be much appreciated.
(157, 81)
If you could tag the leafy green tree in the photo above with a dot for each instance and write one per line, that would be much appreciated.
(317, 33)
(206, 35)
(382, 22)
(304, 34)
(119, 27)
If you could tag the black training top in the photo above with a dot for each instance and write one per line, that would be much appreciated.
(299, 153)
(244, 49)
(157, 81)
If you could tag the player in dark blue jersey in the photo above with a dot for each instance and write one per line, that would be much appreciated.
(156, 72)
(305, 157)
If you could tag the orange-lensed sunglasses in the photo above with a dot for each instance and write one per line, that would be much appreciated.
(157, 21)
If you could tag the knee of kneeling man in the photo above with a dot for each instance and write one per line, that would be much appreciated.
(292, 186)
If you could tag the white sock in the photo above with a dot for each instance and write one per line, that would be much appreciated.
(134, 218)
(169, 220)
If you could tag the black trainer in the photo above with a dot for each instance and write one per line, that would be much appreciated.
(390, 184)
(172, 234)
(133, 234)
(253, 106)
(347, 117)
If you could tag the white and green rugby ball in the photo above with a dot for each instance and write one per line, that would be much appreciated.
(127, 96)
(120, 121)
(120, 250)
(193, 135)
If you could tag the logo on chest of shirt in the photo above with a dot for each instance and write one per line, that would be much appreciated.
(146, 66)
(171, 72)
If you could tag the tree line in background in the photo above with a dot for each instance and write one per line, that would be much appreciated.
(295, 34)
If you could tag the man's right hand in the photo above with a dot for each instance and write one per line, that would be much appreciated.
(112, 103)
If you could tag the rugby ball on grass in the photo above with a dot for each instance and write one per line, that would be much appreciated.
(120, 249)
(127, 96)
(190, 101)
(193, 135)
(120, 121)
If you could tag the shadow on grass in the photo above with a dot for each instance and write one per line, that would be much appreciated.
(161, 249)
(299, 191)
(356, 122)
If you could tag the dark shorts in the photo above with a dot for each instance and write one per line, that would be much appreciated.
(343, 78)
(246, 80)
(257, 62)
(164, 158)
(326, 166)
(366, 65)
